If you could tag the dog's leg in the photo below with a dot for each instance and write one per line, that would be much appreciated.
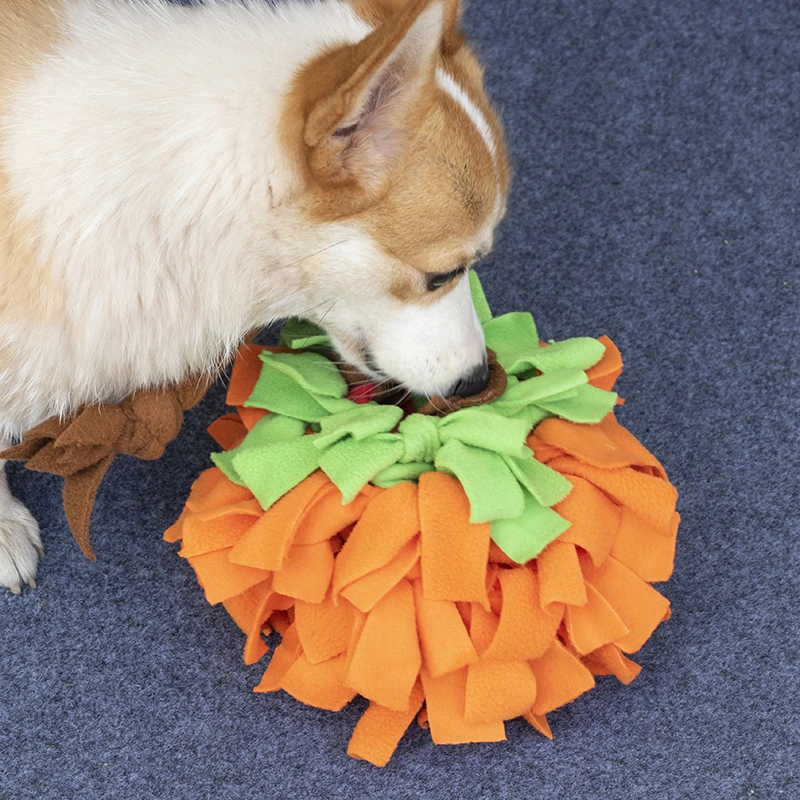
(20, 545)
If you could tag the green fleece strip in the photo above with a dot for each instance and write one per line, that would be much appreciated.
(300, 334)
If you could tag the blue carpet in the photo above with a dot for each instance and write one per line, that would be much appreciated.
(656, 199)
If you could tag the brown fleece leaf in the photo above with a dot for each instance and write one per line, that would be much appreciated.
(78, 496)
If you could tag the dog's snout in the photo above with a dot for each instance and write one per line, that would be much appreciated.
(473, 382)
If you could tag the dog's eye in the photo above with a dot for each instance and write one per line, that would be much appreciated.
(435, 280)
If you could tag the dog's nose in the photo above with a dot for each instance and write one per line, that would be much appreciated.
(473, 382)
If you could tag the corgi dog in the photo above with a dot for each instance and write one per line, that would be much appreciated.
(173, 176)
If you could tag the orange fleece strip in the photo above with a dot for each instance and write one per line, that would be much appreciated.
(446, 703)
(325, 515)
(526, 629)
(455, 551)
(444, 639)
(539, 721)
(560, 576)
(283, 658)
(589, 443)
(204, 533)
(649, 554)
(608, 660)
(386, 525)
(202, 488)
(560, 678)
(594, 624)
(250, 416)
(280, 621)
(254, 646)
(244, 374)
(625, 439)
(483, 625)
(365, 592)
(212, 490)
(318, 685)
(174, 533)
(228, 431)
(498, 690)
(323, 628)
(242, 607)
(266, 544)
(542, 452)
(595, 519)
(605, 372)
(221, 579)
(638, 605)
(386, 659)
(650, 497)
(306, 572)
(379, 730)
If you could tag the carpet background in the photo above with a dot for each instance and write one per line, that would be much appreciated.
(656, 151)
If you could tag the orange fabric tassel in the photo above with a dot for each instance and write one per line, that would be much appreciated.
(498, 690)
(379, 730)
(605, 372)
(323, 628)
(267, 542)
(525, 629)
(446, 702)
(319, 685)
(386, 659)
(560, 678)
(444, 639)
(560, 576)
(455, 551)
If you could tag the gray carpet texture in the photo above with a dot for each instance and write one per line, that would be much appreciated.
(656, 199)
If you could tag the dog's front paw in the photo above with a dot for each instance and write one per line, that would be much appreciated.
(20, 545)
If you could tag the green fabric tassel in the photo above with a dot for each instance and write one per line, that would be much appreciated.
(300, 334)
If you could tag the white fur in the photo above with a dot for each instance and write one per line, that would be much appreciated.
(449, 327)
(449, 84)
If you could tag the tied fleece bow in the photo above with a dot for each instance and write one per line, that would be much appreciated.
(312, 425)
(82, 446)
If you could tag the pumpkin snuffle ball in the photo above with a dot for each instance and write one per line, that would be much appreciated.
(460, 569)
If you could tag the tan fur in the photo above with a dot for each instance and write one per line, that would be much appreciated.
(461, 178)
(28, 32)
(375, 12)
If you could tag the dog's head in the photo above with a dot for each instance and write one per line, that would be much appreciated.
(405, 175)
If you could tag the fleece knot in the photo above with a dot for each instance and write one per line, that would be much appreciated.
(421, 439)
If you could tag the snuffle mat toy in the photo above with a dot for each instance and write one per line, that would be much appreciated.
(459, 570)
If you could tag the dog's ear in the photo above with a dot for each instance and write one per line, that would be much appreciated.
(452, 36)
(357, 131)
(377, 11)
